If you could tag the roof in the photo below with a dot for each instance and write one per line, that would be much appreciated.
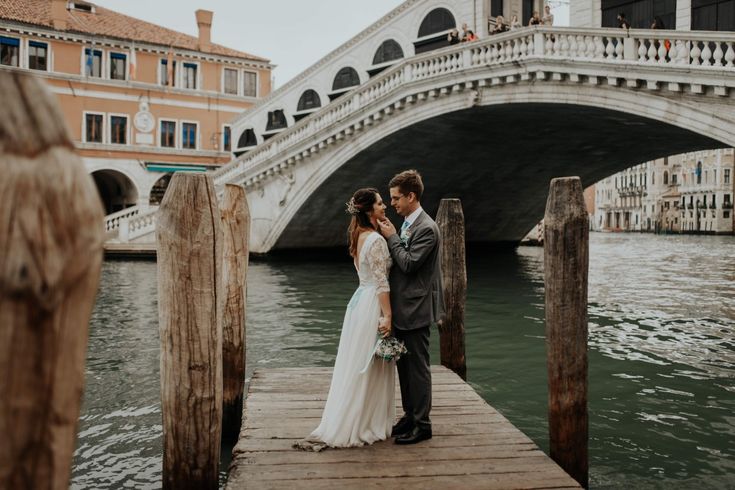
(112, 24)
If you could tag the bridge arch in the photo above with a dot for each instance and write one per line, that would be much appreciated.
(514, 124)
(116, 189)
(389, 50)
(436, 21)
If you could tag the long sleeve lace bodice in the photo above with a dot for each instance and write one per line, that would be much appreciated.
(376, 263)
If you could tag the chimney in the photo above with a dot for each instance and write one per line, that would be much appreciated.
(58, 14)
(204, 21)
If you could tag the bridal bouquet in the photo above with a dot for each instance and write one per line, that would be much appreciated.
(389, 348)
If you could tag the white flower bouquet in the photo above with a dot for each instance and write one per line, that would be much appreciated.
(390, 348)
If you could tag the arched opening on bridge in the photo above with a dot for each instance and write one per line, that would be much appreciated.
(246, 141)
(159, 189)
(345, 79)
(276, 121)
(308, 103)
(116, 190)
(389, 51)
(433, 30)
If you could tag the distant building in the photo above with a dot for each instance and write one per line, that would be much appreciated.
(687, 193)
(141, 101)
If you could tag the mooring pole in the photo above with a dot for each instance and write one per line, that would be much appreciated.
(450, 220)
(566, 260)
(190, 305)
(51, 239)
(236, 227)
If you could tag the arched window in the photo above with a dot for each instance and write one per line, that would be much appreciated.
(388, 51)
(438, 20)
(347, 77)
(247, 138)
(309, 100)
(666, 178)
(276, 120)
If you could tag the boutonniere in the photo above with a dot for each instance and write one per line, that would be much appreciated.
(404, 238)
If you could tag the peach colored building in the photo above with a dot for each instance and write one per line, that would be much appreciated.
(141, 101)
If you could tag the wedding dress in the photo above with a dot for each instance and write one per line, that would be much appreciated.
(360, 407)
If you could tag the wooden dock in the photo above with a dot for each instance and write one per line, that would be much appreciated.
(474, 446)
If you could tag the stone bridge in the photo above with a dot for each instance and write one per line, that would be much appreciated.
(489, 122)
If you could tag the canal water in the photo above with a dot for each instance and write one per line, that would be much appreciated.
(661, 363)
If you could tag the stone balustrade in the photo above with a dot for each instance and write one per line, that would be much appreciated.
(112, 221)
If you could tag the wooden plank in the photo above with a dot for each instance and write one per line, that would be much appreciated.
(473, 446)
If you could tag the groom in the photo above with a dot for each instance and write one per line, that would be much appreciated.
(416, 301)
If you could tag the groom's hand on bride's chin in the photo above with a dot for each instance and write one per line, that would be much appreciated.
(386, 227)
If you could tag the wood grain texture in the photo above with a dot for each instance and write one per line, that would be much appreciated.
(450, 220)
(190, 305)
(473, 446)
(566, 263)
(50, 258)
(236, 234)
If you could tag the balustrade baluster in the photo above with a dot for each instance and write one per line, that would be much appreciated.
(495, 54)
(524, 48)
(564, 49)
(516, 49)
(591, 47)
(695, 53)
(572, 46)
(619, 49)
(706, 55)
(549, 45)
(581, 47)
(729, 55)
(599, 48)
(610, 48)
(718, 54)
(662, 52)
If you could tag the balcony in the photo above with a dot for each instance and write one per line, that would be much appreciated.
(727, 205)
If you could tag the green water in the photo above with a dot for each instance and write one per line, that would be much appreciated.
(662, 355)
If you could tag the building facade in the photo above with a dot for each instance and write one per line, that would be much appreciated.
(687, 193)
(141, 101)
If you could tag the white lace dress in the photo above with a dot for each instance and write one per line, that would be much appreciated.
(360, 407)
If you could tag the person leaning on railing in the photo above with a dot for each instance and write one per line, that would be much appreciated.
(500, 25)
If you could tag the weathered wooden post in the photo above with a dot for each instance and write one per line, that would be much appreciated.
(51, 237)
(236, 227)
(566, 259)
(190, 305)
(454, 270)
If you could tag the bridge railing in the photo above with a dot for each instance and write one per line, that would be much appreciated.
(112, 221)
(699, 50)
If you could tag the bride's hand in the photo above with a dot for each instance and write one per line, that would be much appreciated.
(384, 327)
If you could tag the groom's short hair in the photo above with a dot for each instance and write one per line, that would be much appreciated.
(408, 181)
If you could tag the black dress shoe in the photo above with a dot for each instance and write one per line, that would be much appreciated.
(417, 434)
(402, 428)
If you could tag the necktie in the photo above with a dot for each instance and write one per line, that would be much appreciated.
(404, 227)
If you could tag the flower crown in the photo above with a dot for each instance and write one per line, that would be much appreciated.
(352, 207)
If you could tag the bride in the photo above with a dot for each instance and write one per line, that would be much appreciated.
(360, 407)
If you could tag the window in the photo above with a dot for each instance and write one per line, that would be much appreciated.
(438, 20)
(727, 175)
(699, 172)
(496, 8)
(388, 51)
(93, 128)
(168, 134)
(230, 81)
(309, 100)
(227, 138)
(93, 62)
(189, 79)
(666, 178)
(37, 56)
(247, 138)
(347, 77)
(713, 15)
(189, 136)
(673, 179)
(117, 66)
(276, 120)
(167, 75)
(249, 84)
(119, 130)
(9, 51)
(640, 13)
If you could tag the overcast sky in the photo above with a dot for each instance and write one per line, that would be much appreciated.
(293, 34)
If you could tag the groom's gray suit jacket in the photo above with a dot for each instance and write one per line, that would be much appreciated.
(416, 293)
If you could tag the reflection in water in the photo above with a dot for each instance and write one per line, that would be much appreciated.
(662, 355)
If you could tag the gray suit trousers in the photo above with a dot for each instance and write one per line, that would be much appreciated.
(414, 374)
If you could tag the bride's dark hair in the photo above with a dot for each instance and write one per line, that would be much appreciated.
(359, 206)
